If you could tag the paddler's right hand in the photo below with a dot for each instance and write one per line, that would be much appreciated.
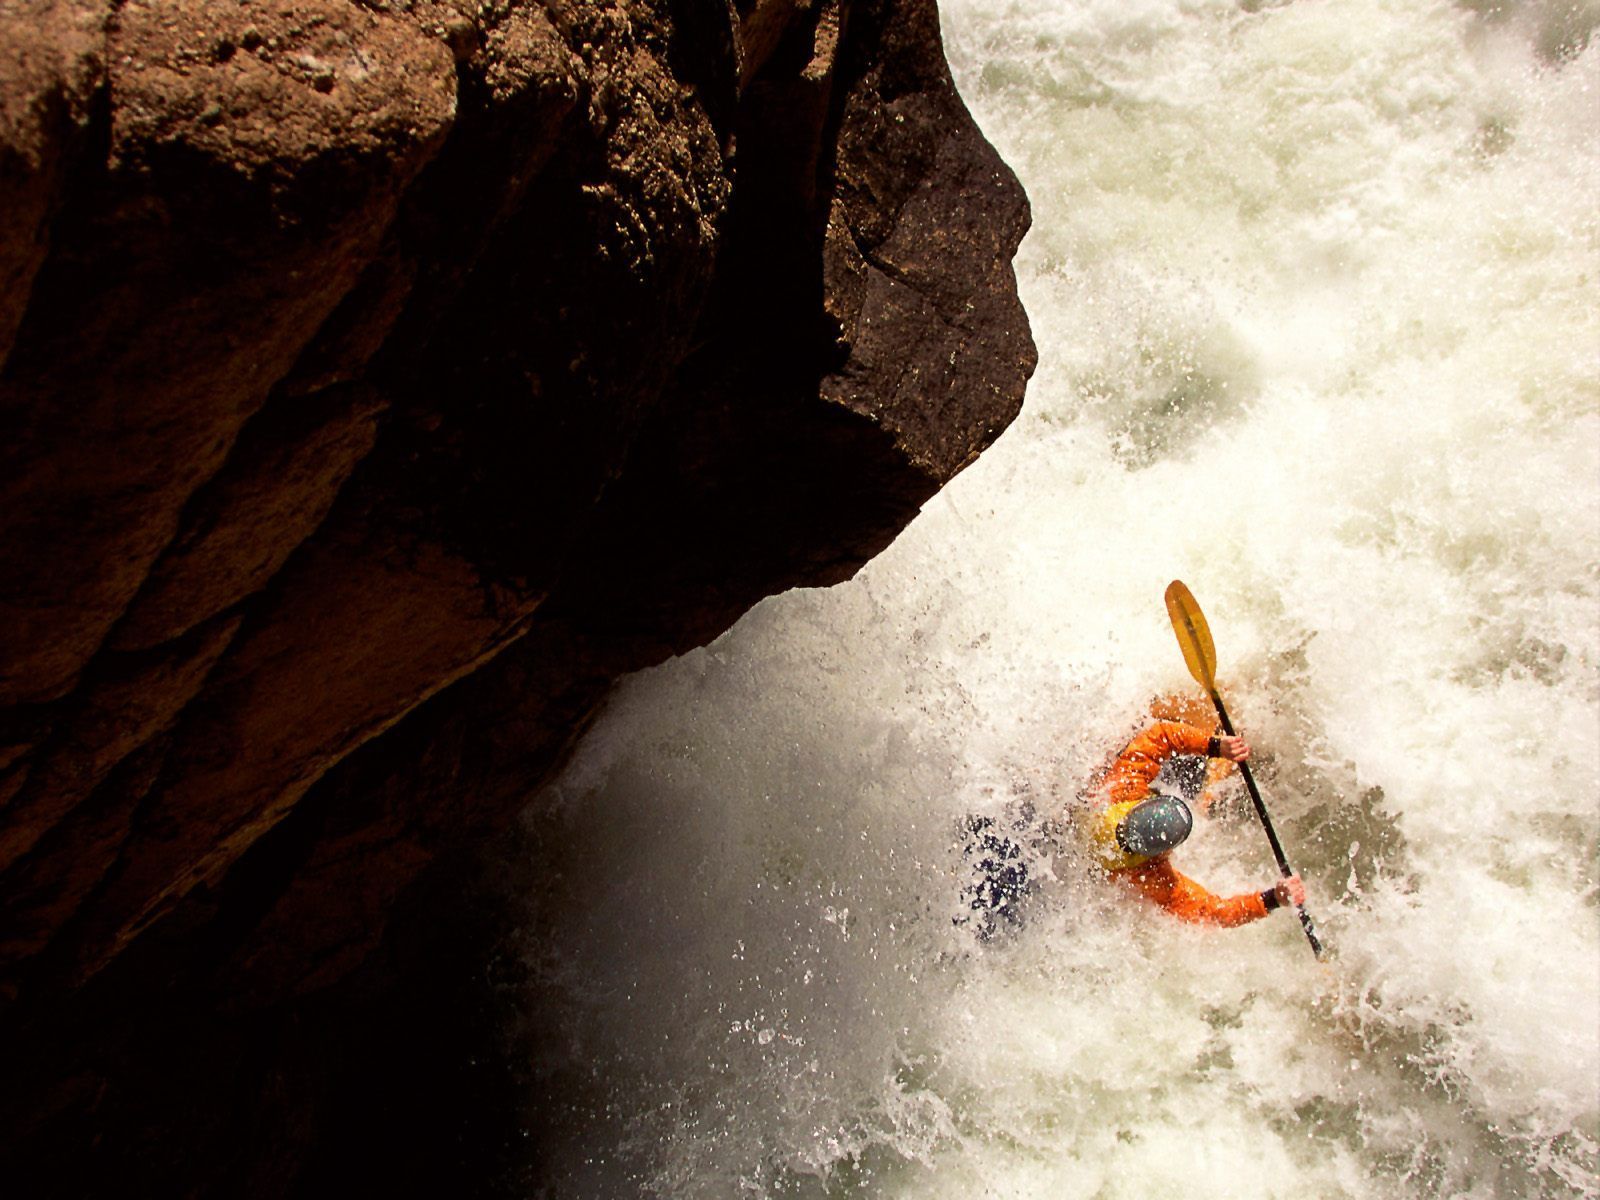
(1290, 891)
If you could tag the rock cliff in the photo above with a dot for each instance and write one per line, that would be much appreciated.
(379, 381)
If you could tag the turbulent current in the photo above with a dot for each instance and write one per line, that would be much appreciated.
(1315, 290)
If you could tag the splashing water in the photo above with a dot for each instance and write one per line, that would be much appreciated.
(1314, 286)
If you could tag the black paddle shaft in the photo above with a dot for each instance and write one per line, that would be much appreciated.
(1266, 823)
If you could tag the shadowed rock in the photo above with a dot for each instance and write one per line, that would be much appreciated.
(378, 383)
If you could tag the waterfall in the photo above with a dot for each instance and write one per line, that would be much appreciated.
(1315, 290)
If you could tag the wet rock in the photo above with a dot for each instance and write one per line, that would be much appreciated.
(189, 265)
(379, 382)
(52, 65)
(239, 529)
(130, 700)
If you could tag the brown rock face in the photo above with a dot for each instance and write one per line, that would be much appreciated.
(379, 381)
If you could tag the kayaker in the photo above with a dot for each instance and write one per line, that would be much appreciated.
(1135, 830)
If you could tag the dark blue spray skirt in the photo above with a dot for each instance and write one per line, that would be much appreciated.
(999, 851)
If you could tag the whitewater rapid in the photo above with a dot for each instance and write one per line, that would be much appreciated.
(1315, 290)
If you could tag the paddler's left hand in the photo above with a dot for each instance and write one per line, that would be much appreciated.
(1233, 748)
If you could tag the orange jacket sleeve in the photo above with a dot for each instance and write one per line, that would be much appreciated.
(1181, 896)
(1140, 761)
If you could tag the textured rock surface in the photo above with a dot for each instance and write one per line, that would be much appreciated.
(378, 382)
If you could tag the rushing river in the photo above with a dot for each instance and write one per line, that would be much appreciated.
(1315, 288)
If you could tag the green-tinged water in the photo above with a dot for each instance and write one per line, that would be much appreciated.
(1315, 290)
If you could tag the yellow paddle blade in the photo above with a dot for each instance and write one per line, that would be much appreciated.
(1194, 636)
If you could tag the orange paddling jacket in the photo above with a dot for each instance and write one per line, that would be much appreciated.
(1127, 782)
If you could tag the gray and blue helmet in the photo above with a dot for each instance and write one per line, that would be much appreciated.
(1155, 826)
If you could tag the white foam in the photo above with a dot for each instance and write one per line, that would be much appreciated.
(1315, 294)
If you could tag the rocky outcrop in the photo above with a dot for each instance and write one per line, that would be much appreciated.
(379, 381)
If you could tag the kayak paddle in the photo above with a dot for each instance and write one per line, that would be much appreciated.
(1194, 638)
